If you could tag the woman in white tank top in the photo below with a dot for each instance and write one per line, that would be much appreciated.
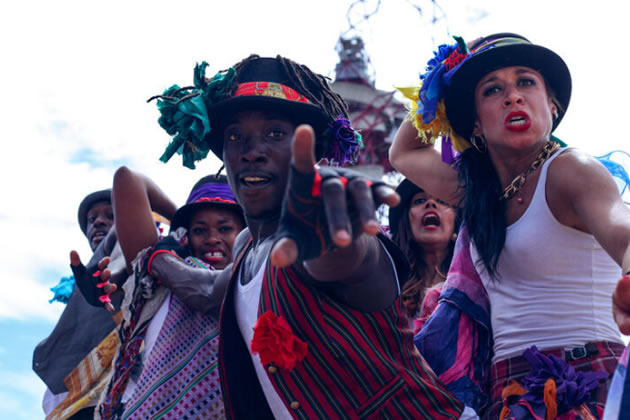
(545, 233)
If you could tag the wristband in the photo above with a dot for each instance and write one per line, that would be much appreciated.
(159, 251)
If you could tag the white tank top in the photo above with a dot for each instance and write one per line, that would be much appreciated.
(246, 301)
(555, 287)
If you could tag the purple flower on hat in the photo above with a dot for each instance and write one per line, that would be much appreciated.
(345, 143)
(572, 388)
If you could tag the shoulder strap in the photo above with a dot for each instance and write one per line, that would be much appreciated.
(241, 254)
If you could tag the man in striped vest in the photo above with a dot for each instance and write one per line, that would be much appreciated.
(312, 325)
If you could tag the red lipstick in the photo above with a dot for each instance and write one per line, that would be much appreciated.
(517, 121)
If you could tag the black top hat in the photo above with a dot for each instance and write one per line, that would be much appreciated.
(208, 191)
(88, 202)
(406, 190)
(492, 53)
(263, 83)
(196, 115)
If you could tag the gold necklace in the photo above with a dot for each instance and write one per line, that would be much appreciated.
(518, 182)
(439, 273)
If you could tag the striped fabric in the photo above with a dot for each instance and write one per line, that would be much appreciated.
(456, 341)
(358, 365)
(618, 400)
(86, 382)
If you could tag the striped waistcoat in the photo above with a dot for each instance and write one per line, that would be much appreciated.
(358, 365)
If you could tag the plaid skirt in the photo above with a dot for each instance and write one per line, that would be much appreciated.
(601, 356)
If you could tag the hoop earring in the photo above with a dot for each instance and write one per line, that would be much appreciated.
(479, 143)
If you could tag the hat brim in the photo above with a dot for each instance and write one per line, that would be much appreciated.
(183, 215)
(406, 189)
(460, 94)
(298, 112)
(88, 202)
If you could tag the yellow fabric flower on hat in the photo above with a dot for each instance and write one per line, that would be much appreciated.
(439, 127)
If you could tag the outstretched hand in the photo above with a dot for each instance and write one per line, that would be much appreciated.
(324, 207)
(621, 305)
(94, 283)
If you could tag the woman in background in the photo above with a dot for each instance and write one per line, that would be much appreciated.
(423, 227)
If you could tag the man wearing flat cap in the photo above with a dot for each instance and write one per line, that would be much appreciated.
(81, 326)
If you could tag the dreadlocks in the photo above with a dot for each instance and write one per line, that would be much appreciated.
(316, 88)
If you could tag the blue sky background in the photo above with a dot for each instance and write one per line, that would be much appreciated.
(76, 76)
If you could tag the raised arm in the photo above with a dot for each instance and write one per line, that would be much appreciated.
(422, 164)
(134, 197)
(201, 290)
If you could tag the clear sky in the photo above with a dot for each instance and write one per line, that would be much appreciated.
(76, 75)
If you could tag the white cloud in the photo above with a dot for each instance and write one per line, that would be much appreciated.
(23, 382)
(21, 395)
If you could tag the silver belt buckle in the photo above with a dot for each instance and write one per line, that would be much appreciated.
(578, 353)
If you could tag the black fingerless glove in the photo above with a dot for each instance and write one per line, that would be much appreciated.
(167, 244)
(88, 277)
(303, 216)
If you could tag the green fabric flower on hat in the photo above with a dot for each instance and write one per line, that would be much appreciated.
(184, 114)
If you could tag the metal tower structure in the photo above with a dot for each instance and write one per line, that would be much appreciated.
(375, 113)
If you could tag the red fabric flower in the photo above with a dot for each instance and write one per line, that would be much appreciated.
(454, 59)
(275, 342)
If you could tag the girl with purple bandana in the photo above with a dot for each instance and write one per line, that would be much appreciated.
(166, 363)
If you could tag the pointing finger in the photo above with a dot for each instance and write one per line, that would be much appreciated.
(335, 206)
(384, 194)
(102, 264)
(364, 203)
(303, 149)
(75, 261)
(284, 252)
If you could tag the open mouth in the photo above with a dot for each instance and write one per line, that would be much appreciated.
(98, 236)
(517, 121)
(255, 181)
(214, 256)
(431, 220)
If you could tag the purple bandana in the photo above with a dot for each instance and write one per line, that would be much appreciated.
(213, 191)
